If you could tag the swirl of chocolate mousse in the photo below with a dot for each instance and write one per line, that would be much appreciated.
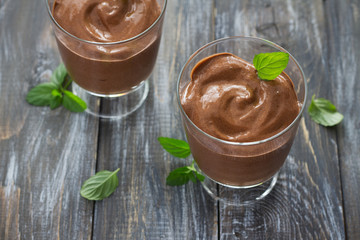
(105, 20)
(226, 99)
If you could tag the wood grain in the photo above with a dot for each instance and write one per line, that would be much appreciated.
(143, 207)
(45, 155)
(344, 58)
(9, 212)
(307, 201)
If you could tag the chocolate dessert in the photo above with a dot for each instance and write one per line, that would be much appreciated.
(226, 99)
(97, 62)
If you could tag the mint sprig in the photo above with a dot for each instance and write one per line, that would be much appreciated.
(270, 65)
(182, 175)
(55, 93)
(323, 112)
(100, 186)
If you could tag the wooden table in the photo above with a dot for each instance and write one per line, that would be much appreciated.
(47, 155)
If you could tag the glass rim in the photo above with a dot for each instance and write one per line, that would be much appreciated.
(269, 43)
(107, 43)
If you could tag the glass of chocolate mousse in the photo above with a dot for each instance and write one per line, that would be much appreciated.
(240, 128)
(109, 48)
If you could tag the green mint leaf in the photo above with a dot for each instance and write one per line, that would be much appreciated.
(55, 103)
(323, 112)
(59, 75)
(183, 175)
(175, 147)
(73, 102)
(56, 99)
(56, 93)
(100, 186)
(200, 176)
(270, 65)
(41, 95)
(192, 177)
(179, 176)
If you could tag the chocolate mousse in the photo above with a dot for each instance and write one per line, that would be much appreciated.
(101, 65)
(226, 99)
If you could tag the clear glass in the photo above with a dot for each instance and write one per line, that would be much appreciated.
(240, 172)
(111, 77)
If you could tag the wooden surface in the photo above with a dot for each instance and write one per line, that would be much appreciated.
(47, 155)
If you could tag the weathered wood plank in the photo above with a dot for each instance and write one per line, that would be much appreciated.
(143, 207)
(344, 57)
(45, 155)
(307, 200)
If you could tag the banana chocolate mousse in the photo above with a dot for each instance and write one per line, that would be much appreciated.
(97, 63)
(226, 99)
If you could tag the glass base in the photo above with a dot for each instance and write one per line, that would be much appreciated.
(232, 195)
(113, 106)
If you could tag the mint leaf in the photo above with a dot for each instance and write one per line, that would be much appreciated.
(200, 176)
(192, 177)
(183, 175)
(179, 176)
(59, 75)
(73, 102)
(56, 93)
(100, 186)
(56, 99)
(270, 65)
(175, 147)
(323, 112)
(41, 95)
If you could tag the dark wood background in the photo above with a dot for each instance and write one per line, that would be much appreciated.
(47, 155)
